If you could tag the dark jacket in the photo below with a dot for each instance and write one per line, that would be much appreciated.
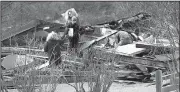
(73, 41)
(53, 48)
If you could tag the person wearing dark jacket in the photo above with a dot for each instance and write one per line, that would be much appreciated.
(73, 36)
(53, 47)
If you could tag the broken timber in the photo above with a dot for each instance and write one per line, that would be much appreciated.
(129, 49)
(158, 48)
(91, 43)
(23, 51)
(14, 31)
(100, 53)
(32, 24)
(105, 55)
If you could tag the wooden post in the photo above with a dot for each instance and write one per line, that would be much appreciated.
(0, 54)
(158, 81)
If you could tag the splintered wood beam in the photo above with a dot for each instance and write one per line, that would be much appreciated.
(105, 55)
(23, 51)
(37, 53)
(48, 75)
(19, 29)
(157, 48)
(91, 43)
(50, 23)
(129, 49)
(100, 53)
(167, 57)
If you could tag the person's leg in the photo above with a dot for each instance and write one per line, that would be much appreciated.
(75, 41)
(76, 44)
(70, 45)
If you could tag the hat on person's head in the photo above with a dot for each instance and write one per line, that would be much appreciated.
(73, 12)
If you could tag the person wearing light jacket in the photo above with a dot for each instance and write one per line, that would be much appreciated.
(53, 47)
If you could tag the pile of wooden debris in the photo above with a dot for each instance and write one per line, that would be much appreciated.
(129, 61)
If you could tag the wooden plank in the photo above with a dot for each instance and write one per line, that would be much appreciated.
(170, 88)
(90, 43)
(49, 23)
(37, 56)
(168, 81)
(14, 31)
(158, 48)
(167, 57)
(129, 49)
(42, 66)
(109, 55)
(1, 58)
(169, 75)
(177, 80)
(159, 81)
(91, 36)
(23, 51)
(26, 51)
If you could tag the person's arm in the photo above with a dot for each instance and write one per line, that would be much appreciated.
(120, 43)
(62, 41)
(78, 28)
(46, 47)
(65, 32)
(116, 40)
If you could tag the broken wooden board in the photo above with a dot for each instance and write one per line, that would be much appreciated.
(23, 51)
(157, 48)
(12, 61)
(14, 31)
(90, 43)
(42, 66)
(129, 49)
(50, 24)
(167, 57)
(108, 55)
(20, 63)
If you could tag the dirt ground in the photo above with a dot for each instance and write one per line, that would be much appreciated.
(118, 86)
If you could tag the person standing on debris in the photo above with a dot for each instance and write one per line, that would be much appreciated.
(72, 29)
(72, 32)
(53, 47)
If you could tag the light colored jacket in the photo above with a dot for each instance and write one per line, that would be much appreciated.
(52, 35)
(123, 38)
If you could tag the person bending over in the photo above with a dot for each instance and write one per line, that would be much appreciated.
(53, 47)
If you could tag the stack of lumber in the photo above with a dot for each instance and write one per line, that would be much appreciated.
(22, 51)
(22, 28)
(129, 49)
(110, 55)
(157, 48)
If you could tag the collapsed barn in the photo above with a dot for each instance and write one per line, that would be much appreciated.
(138, 62)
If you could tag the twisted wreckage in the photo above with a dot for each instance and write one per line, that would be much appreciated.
(131, 54)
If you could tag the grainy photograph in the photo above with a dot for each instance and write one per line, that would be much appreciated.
(89, 46)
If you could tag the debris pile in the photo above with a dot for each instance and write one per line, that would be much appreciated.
(129, 61)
